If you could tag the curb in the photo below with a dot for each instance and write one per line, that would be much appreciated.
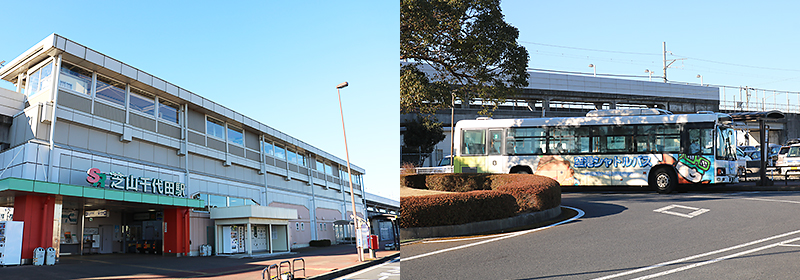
(351, 269)
(480, 227)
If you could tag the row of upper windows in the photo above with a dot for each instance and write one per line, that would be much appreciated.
(77, 79)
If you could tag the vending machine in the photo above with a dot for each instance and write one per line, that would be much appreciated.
(233, 239)
(10, 242)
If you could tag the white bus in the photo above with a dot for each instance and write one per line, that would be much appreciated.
(637, 147)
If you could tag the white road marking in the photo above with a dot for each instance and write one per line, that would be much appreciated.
(703, 255)
(697, 211)
(772, 200)
(465, 239)
(580, 214)
(715, 260)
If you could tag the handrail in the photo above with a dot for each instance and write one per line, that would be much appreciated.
(295, 269)
(267, 271)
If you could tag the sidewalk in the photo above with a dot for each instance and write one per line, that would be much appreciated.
(320, 263)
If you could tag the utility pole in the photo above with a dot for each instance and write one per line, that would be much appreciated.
(664, 47)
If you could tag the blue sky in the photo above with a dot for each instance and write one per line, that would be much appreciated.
(731, 43)
(275, 61)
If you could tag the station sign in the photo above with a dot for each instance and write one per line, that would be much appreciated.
(116, 180)
(96, 214)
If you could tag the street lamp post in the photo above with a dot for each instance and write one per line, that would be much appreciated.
(594, 69)
(649, 74)
(356, 222)
(701, 79)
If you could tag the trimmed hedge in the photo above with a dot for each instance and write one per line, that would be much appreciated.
(455, 208)
(471, 200)
(533, 193)
(320, 243)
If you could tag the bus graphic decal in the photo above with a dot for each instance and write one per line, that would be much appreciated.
(617, 161)
(700, 163)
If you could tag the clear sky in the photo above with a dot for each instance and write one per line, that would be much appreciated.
(731, 43)
(277, 62)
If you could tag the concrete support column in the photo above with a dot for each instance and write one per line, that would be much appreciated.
(249, 238)
(599, 105)
(612, 105)
(545, 107)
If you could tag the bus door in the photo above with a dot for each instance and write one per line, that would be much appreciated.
(496, 159)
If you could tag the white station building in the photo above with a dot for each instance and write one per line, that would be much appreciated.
(97, 156)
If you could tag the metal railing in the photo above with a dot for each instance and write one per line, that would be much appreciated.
(289, 274)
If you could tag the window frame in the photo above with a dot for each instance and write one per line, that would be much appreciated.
(103, 99)
(37, 71)
(62, 73)
(162, 104)
(222, 125)
(234, 128)
(143, 97)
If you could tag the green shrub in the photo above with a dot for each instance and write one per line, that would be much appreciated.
(455, 208)
(320, 243)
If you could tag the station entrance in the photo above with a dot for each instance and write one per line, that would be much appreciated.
(78, 220)
(97, 226)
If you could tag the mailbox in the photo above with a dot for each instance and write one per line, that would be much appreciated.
(373, 242)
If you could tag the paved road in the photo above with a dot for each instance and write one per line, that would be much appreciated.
(387, 271)
(633, 235)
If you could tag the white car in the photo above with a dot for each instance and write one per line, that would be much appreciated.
(790, 161)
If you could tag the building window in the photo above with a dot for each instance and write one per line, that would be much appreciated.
(168, 111)
(302, 160)
(343, 175)
(110, 90)
(235, 135)
(215, 128)
(75, 79)
(280, 152)
(143, 102)
(320, 167)
(215, 201)
(291, 156)
(267, 146)
(235, 201)
(328, 169)
(41, 79)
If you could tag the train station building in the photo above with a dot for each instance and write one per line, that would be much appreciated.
(98, 156)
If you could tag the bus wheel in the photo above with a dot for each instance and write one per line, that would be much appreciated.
(520, 170)
(663, 181)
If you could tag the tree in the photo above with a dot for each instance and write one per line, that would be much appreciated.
(472, 51)
(420, 138)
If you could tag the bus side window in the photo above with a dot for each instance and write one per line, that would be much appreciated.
(474, 142)
(495, 142)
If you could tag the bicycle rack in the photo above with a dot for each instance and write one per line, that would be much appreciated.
(279, 274)
(289, 272)
(268, 270)
(295, 269)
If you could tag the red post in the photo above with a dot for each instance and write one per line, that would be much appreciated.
(37, 213)
(176, 231)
